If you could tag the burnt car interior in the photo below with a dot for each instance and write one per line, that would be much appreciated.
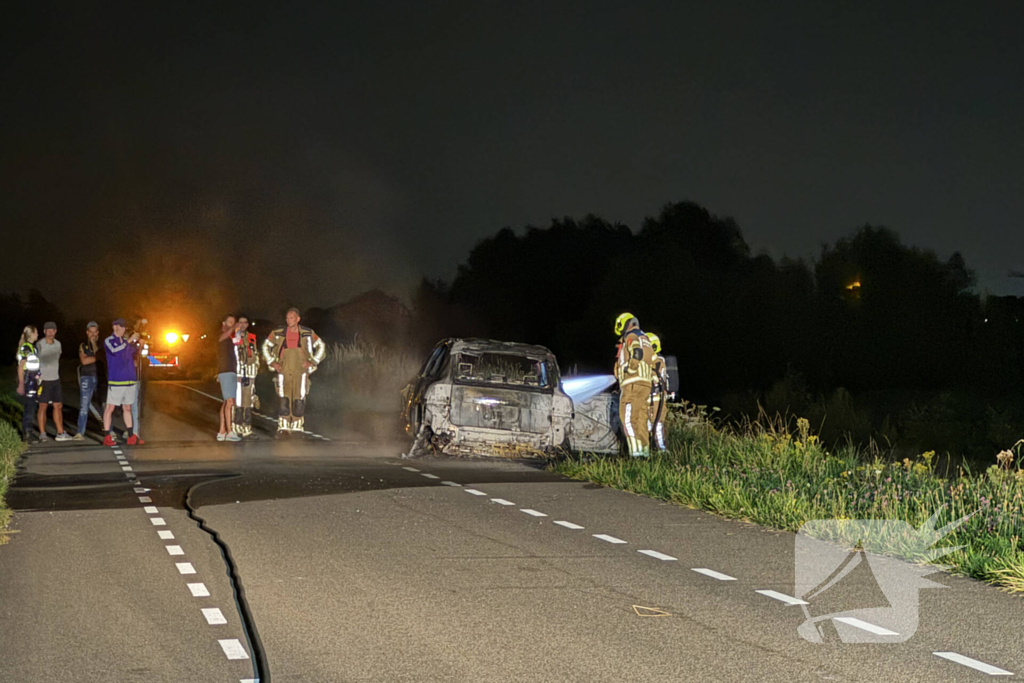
(503, 369)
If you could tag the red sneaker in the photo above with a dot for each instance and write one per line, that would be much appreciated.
(140, 441)
(108, 440)
(133, 440)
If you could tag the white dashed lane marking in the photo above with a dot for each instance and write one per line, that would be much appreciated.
(568, 525)
(198, 590)
(141, 490)
(158, 521)
(865, 626)
(781, 597)
(174, 550)
(165, 535)
(145, 499)
(151, 510)
(185, 568)
(656, 555)
(117, 452)
(429, 476)
(410, 469)
(532, 513)
(233, 649)
(214, 617)
(713, 574)
(502, 501)
(451, 483)
(973, 663)
(475, 492)
(127, 468)
(610, 539)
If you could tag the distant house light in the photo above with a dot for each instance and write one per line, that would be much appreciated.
(853, 285)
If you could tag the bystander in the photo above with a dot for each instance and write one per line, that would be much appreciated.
(227, 375)
(49, 350)
(121, 380)
(87, 376)
(28, 379)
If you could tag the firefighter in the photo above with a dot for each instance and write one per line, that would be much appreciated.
(659, 393)
(247, 353)
(293, 352)
(634, 370)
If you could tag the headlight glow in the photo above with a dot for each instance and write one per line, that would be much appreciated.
(171, 337)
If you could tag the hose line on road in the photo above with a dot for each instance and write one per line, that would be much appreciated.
(261, 669)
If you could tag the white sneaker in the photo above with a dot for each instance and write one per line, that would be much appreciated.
(63, 436)
(232, 437)
(220, 436)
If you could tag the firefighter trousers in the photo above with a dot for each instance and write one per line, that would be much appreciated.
(634, 411)
(244, 391)
(657, 418)
(292, 387)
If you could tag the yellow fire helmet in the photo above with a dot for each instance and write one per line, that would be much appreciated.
(622, 321)
(655, 341)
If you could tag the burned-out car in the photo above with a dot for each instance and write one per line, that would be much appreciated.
(484, 397)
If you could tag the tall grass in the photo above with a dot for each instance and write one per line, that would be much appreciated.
(776, 473)
(10, 448)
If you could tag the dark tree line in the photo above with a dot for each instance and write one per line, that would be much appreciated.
(870, 314)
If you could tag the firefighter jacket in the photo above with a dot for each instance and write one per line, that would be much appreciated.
(312, 346)
(635, 361)
(660, 372)
(247, 354)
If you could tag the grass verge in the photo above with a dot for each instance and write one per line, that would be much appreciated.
(11, 447)
(777, 474)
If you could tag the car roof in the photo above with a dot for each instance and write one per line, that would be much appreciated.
(493, 346)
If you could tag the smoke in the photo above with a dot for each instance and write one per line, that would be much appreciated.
(582, 389)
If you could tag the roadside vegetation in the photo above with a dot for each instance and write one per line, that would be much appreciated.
(776, 473)
(10, 448)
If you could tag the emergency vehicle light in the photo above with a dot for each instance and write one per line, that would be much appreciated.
(171, 337)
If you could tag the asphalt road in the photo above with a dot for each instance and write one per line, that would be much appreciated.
(359, 566)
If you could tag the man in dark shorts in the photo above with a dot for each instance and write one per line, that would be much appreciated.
(227, 375)
(87, 376)
(49, 393)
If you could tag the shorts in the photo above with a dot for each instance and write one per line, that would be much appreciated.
(49, 392)
(228, 383)
(121, 394)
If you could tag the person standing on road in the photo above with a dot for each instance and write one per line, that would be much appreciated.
(121, 380)
(87, 375)
(634, 369)
(49, 350)
(293, 352)
(29, 379)
(227, 375)
(247, 356)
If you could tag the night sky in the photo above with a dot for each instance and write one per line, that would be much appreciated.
(311, 152)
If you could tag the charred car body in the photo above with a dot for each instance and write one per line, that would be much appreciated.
(484, 397)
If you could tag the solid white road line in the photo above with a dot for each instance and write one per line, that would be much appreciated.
(870, 628)
(475, 492)
(151, 510)
(185, 567)
(145, 499)
(568, 525)
(410, 469)
(610, 539)
(783, 598)
(656, 555)
(158, 521)
(198, 590)
(502, 501)
(713, 574)
(233, 649)
(450, 483)
(214, 617)
(165, 535)
(532, 513)
(174, 550)
(429, 476)
(973, 663)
